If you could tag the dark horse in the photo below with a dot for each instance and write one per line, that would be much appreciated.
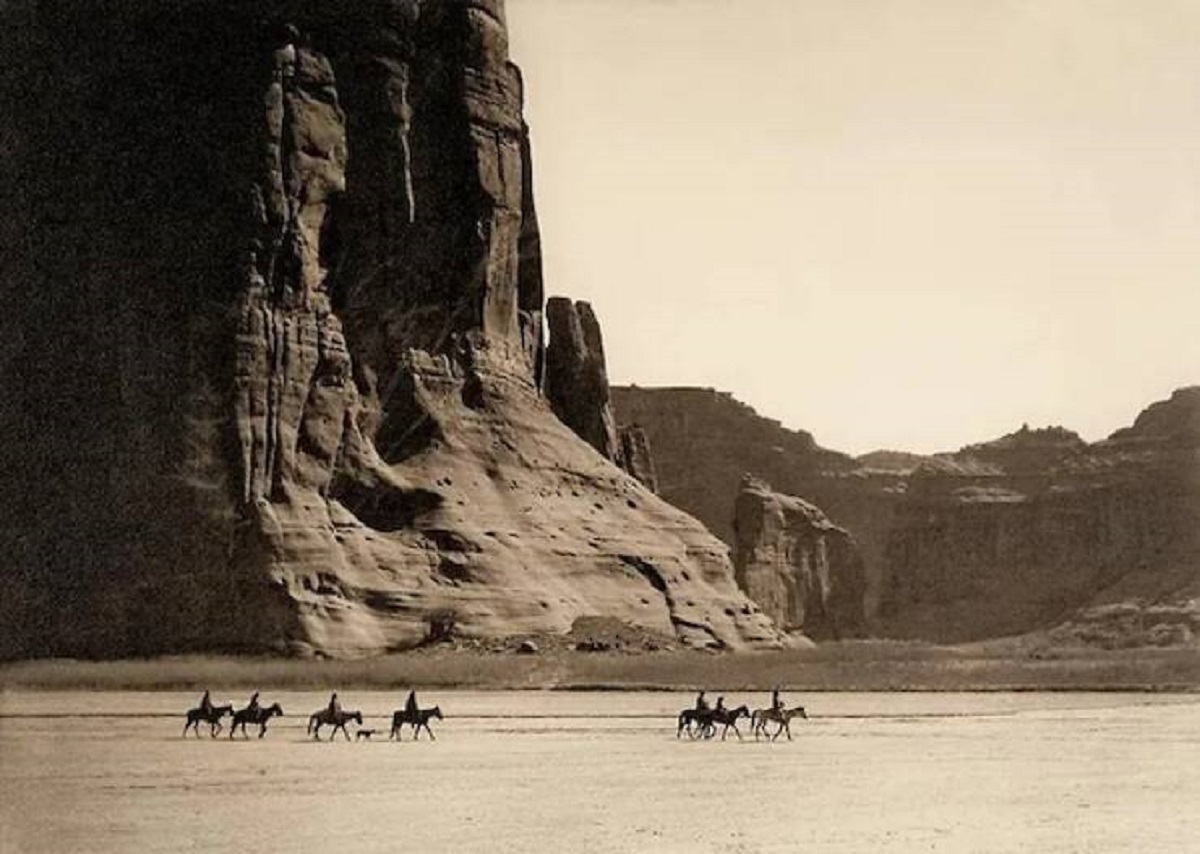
(695, 721)
(210, 716)
(337, 719)
(254, 715)
(726, 718)
(418, 719)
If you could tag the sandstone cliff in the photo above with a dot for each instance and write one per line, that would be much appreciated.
(1032, 531)
(705, 440)
(276, 343)
(1046, 529)
(804, 571)
(635, 456)
(577, 374)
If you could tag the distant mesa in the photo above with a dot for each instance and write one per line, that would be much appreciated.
(1035, 530)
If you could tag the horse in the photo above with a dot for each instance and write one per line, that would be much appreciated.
(690, 718)
(254, 715)
(416, 720)
(783, 717)
(337, 719)
(727, 718)
(212, 716)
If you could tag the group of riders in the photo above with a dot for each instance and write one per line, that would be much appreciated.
(703, 707)
(699, 721)
(702, 720)
(334, 707)
(331, 713)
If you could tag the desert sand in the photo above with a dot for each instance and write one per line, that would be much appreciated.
(604, 772)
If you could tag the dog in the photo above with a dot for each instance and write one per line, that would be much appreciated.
(364, 733)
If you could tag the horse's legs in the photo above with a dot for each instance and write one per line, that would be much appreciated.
(428, 730)
(344, 732)
(787, 726)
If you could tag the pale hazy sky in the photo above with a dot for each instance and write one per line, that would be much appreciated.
(912, 224)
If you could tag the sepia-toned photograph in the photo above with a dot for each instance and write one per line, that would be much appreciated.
(601, 426)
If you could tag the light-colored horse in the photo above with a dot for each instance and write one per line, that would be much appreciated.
(782, 717)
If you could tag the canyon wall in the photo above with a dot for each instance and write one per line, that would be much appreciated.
(276, 346)
(804, 571)
(1037, 530)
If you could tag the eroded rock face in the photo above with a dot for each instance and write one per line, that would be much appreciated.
(1034, 530)
(804, 571)
(1047, 529)
(279, 334)
(577, 388)
(577, 375)
(634, 455)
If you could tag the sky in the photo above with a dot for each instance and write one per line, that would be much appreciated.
(901, 224)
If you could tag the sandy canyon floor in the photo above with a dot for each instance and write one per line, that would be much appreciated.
(604, 772)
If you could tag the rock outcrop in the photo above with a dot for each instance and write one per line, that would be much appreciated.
(705, 440)
(1035, 530)
(277, 337)
(577, 388)
(803, 571)
(577, 374)
(635, 456)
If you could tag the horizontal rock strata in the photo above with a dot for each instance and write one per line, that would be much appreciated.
(1035, 530)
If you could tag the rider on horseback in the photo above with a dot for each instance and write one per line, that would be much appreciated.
(410, 706)
(701, 703)
(206, 705)
(253, 705)
(776, 702)
(335, 708)
(720, 704)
